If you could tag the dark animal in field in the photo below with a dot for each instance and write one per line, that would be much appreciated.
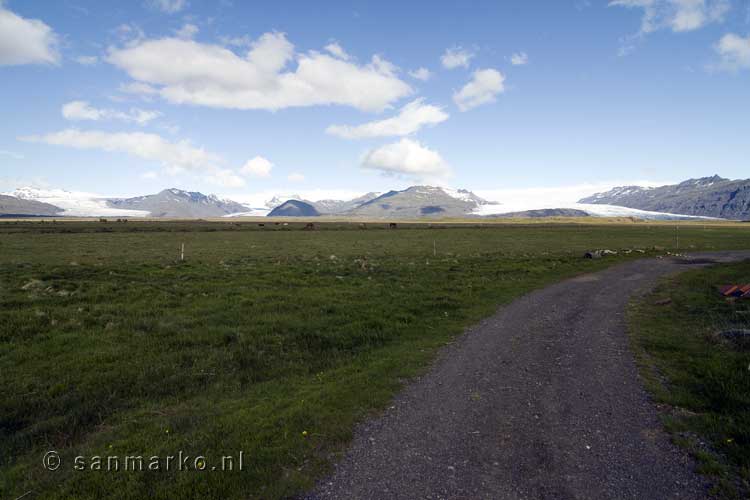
(309, 227)
(103, 220)
(261, 225)
(392, 225)
(363, 226)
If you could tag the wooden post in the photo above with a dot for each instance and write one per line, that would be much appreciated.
(677, 236)
(434, 248)
(182, 252)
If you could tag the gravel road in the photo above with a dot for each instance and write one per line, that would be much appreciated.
(541, 400)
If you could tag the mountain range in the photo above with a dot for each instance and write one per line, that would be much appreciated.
(180, 204)
(713, 197)
(706, 197)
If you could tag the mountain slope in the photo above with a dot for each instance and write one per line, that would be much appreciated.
(11, 205)
(334, 207)
(420, 201)
(294, 208)
(707, 197)
(180, 204)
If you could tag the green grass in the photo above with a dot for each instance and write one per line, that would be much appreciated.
(702, 377)
(271, 341)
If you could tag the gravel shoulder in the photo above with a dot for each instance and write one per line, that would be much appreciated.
(540, 400)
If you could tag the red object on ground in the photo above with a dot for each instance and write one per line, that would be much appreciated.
(735, 290)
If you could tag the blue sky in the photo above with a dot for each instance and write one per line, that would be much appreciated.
(236, 97)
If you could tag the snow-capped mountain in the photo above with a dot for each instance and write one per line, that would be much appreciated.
(708, 196)
(421, 201)
(179, 204)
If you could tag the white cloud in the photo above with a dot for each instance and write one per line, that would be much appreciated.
(86, 60)
(150, 175)
(258, 166)
(26, 41)
(142, 89)
(82, 110)
(187, 32)
(168, 6)
(675, 15)
(176, 156)
(335, 49)
(409, 120)
(734, 51)
(456, 57)
(296, 177)
(237, 41)
(519, 59)
(185, 71)
(423, 74)
(406, 157)
(484, 85)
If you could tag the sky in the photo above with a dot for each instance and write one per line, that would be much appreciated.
(333, 99)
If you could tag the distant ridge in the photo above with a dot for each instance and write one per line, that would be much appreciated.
(420, 201)
(14, 206)
(707, 197)
(179, 204)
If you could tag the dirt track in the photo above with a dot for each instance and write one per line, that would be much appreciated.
(541, 400)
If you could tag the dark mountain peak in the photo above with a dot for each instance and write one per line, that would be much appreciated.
(703, 181)
(294, 208)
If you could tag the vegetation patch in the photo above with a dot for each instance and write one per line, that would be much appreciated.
(272, 341)
(694, 364)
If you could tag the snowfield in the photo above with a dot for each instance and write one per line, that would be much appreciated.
(75, 203)
(591, 209)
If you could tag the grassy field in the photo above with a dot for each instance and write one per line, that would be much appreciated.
(701, 377)
(272, 341)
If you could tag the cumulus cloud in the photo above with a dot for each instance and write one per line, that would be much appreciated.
(484, 85)
(337, 51)
(258, 166)
(168, 6)
(82, 110)
(296, 177)
(423, 74)
(734, 51)
(675, 15)
(456, 57)
(409, 120)
(26, 41)
(174, 155)
(188, 72)
(406, 157)
(519, 59)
